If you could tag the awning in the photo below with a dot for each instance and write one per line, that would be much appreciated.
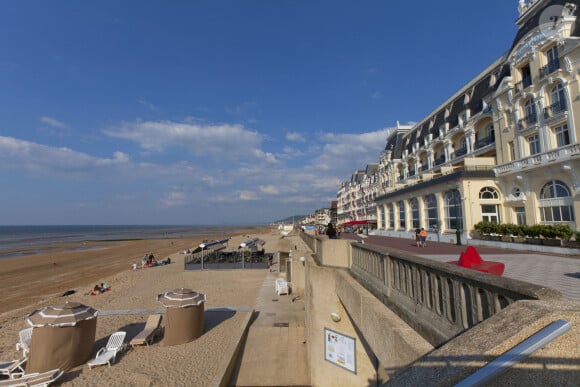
(357, 222)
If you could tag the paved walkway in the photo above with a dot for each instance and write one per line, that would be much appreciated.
(556, 272)
(275, 352)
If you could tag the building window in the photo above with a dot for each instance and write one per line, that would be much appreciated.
(556, 203)
(489, 213)
(488, 193)
(534, 143)
(453, 210)
(512, 151)
(530, 116)
(520, 215)
(382, 210)
(402, 215)
(526, 76)
(562, 135)
(414, 203)
(431, 218)
(557, 99)
(391, 216)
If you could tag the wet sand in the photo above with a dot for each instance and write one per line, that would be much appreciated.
(32, 282)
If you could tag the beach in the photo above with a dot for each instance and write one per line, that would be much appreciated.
(40, 280)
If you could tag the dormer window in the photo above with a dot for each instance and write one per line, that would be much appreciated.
(552, 62)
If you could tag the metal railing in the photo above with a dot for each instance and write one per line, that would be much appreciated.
(554, 109)
(517, 354)
(549, 68)
(484, 142)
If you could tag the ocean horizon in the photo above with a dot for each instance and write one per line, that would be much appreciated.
(28, 240)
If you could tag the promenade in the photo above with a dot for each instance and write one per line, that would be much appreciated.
(553, 271)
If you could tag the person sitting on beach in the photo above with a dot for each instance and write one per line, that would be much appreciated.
(105, 287)
(96, 290)
(134, 266)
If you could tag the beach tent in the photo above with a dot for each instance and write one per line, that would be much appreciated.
(63, 336)
(184, 317)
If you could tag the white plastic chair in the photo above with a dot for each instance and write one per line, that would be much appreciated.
(36, 379)
(13, 368)
(107, 354)
(24, 343)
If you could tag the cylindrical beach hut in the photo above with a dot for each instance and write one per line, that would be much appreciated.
(63, 336)
(184, 317)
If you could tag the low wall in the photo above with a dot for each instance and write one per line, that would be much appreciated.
(556, 364)
(384, 343)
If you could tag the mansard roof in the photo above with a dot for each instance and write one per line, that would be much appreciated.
(534, 21)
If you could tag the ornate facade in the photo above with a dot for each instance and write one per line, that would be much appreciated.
(504, 148)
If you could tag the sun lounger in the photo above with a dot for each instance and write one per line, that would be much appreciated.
(150, 331)
(42, 379)
(108, 353)
(13, 368)
(23, 345)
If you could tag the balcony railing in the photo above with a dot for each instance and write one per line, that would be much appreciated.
(554, 109)
(412, 172)
(424, 167)
(439, 160)
(530, 119)
(549, 68)
(523, 84)
(460, 152)
(560, 154)
(484, 141)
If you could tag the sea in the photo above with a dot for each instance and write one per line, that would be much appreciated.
(28, 240)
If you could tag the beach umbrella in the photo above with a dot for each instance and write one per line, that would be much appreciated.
(184, 317)
(63, 336)
(63, 315)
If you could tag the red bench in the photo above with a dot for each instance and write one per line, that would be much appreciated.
(470, 259)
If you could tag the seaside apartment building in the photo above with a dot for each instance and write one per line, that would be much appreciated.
(504, 148)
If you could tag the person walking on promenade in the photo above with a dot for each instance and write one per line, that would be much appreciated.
(423, 235)
(331, 231)
(418, 236)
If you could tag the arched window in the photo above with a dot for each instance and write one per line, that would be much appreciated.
(391, 216)
(488, 193)
(414, 204)
(556, 204)
(402, 215)
(530, 116)
(431, 218)
(557, 99)
(453, 210)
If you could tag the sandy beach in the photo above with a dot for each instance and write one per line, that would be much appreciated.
(32, 282)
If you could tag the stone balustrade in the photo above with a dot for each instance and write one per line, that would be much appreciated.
(436, 299)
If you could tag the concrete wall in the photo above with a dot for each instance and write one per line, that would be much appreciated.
(557, 364)
(335, 252)
(388, 344)
(321, 302)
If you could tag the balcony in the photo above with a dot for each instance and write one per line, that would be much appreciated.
(460, 152)
(555, 110)
(549, 68)
(560, 154)
(484, 142)
(439, 160)
(527, 121)
(424, 167)
(524, 84)
(412, 172)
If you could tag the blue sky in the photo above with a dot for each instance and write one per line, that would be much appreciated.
(221, 112)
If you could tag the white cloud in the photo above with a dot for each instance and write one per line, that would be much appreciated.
(220, 141)
(295, 136)
(173, 199)
(269, 189)
(247, 195)
(21, 154)
(148, 105)
(53, 122)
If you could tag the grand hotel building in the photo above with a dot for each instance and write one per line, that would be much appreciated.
(504, 148)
